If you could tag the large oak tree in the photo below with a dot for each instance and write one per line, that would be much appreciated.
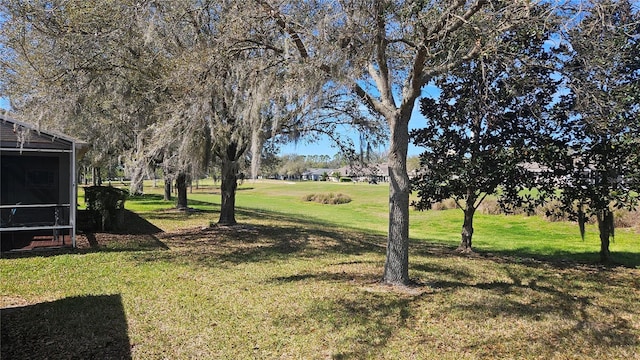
(148, 82)
(384, 52)
(71, 67)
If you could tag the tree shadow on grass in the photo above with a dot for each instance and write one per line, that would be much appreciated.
(327, 276)
(558, 308)
(559, 259)
(520, 287)
(303, 236)
(565, 259)
(220, 245)
(588, 303)
(86, 327)
(146, 199)
(291, 236)
(506, 299)
(377, 318)
(365, 324)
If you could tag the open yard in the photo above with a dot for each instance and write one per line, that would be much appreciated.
(300, 280)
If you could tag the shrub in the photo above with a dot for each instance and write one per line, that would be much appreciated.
(330, 198)
(105, 204)
(550, 212)
(627, 219)
(345, 179)
(444, 205)
(490, 207)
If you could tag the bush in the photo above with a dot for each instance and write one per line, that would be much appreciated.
(490, 207)
(345, 179)
(105, 205)
(444, 205)
(550, 212)
(627, 219)
(330, 198)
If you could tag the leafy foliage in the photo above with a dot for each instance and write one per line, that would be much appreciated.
(484, 127)
(105, 204)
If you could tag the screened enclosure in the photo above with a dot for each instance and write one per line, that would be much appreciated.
(37, 187)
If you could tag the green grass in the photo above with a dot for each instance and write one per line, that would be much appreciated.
(368, 211)
(299, 280)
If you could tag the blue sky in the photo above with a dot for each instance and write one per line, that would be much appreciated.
(321, 147)
(324, 145)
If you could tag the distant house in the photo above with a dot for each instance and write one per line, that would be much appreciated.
(37, 186)
(535, 169)
(317, 174)
(367, 173)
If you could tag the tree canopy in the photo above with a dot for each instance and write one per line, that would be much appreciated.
(600, 113)
(484, 128)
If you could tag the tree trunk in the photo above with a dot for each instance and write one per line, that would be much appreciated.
(136, 186)
(167, 187)
(228, 188)
(155, 178)
(181, 186)
(467, 225)
(396, 267)
(467, 230)
(96, 177)
(256, 151)
(605, 225)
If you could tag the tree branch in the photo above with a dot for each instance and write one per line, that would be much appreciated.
(451, 64)
(440, 27)
(295, 36)
(381, 76)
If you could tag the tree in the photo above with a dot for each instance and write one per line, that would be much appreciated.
(600, 112)
(82, 69)
(292, 166)
(149, 81)
(209, 96)
(483, 127)
(226, 98)
(384, 53)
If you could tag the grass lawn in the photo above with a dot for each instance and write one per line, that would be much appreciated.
(300, 280)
